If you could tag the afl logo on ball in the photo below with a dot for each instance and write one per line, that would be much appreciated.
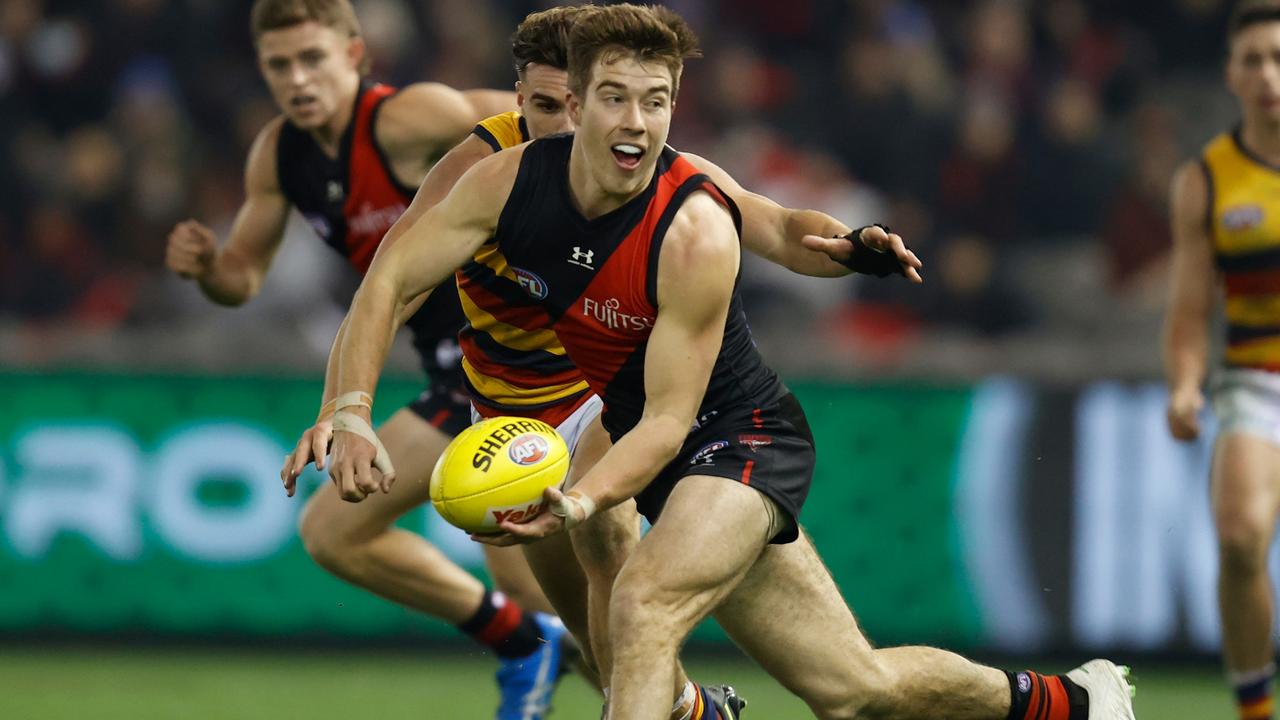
(531, 284)
(528, 449)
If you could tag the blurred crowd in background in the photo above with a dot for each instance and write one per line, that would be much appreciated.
(1024, 149)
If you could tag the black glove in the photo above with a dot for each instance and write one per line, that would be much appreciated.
(869, 261)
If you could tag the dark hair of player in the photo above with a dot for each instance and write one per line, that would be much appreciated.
(1251, 12)
(543, 38)
(649, 33)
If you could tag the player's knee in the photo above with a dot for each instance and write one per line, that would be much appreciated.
(640, 613)
(603, 545)
(320, 537)
(600, 557)
(1242, 544)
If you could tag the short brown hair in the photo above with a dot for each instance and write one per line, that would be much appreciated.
(649, 33)
(1251, 12)
(543, 38)
(339, 15)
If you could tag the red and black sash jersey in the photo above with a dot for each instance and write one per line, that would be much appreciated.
(598, 281)
(352, 201)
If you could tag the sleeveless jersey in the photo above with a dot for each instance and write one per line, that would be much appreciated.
(1244, 223)
(513, 362)
(596, 280)
(352, 201)
(503, 131)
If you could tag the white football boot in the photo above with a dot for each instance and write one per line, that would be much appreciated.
(1110, 694)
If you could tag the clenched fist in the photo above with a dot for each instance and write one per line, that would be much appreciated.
(191, 250)
(1184, 413)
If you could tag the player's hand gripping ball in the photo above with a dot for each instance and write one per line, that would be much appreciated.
(497, 470)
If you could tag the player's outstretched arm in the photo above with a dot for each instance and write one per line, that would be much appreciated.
(426, 120)
(430, 249)
(807, 242)
(1191, 288)
(314, 443)
(233, 274)
(696, 273)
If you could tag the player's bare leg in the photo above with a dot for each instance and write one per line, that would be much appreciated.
(788, 615)
(602, 546)
(358, 543)
(553, 563)
(680, 571)
(511, 574)
(780, 604)
(1246, 499)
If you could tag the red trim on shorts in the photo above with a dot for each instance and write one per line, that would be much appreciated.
(440, 418)
(501, 626)
(756, 420)
(746, 472)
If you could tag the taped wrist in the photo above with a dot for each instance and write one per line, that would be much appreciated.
(355, 398)
(565, 508)
(869, 261)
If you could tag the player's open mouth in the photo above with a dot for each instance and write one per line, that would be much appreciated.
(627, 156)
(303, 102)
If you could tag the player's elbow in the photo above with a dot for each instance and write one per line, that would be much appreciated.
(232, 294)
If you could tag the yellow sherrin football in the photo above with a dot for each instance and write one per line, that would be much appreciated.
(497, 470)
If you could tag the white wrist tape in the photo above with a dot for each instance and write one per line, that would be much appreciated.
(344, 421)
(355, 397)
(568, 502)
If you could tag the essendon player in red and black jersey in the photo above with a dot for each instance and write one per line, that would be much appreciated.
(601, 292)
(349, 154)
(652, 320)
(351, 201)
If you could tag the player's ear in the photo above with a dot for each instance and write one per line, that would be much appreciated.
(356, 51)
(574, 106)
(520, 94)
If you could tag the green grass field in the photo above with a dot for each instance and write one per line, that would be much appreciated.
(221, 685)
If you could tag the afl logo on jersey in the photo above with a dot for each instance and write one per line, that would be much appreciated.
(528, 449)
(531, 284)
(1241, 217)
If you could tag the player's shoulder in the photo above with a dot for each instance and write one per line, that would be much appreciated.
(268, 138)
(425, 92)
(488, 183)
(503, 130)
(261, 167)
(1190, 182)
(423, 112)
(702, 229)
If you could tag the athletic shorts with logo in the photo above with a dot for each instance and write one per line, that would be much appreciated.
(769, 449)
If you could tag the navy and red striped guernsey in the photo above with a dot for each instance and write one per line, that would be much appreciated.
(351, 201)
(513, 362)
(599, 281)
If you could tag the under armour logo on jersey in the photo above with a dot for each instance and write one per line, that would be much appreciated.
(334, 190)
(582, 258)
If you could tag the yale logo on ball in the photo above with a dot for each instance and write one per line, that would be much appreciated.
(497, 470)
